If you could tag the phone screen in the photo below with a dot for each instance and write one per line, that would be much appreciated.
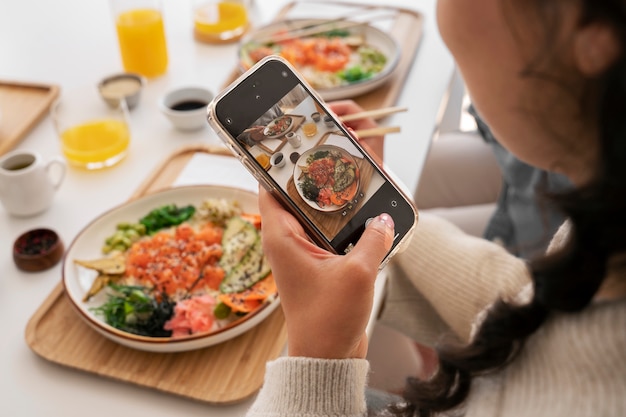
(309, 156)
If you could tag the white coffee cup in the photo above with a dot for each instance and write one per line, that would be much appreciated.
(294, 139)
(28, 183)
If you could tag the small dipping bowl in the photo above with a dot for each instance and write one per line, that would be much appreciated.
(37, 250)
(278, 160)
(186, 107)
(125, 86)
(316, 116)
(294, 157)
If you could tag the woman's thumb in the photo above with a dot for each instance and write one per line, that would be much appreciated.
(376, 239)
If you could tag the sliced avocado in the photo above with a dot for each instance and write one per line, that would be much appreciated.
(252, 268)
(239, 236)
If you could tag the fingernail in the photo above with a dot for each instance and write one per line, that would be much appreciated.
(387, 220)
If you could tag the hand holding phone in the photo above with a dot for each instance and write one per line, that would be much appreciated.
(375, 144)
(314, 284)
(331, 185)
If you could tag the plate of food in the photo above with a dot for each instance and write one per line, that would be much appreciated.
(326, 177)
(343, 60)
(278, 127)
(176, 270)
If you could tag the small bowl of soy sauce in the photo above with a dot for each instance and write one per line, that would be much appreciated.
(37, 250)
(185, 107)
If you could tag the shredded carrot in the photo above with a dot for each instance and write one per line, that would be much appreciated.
(251, 298)
(254, 219)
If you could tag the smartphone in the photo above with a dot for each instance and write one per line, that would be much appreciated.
(298, 149)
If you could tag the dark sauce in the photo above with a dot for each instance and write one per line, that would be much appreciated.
(36, 242)
(188, 105)
(19, 166)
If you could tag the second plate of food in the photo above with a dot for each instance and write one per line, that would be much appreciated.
(326, 177)
(338, 62)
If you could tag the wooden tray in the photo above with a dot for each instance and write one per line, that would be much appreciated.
(220, 374)
(407, 31)
(22, 106)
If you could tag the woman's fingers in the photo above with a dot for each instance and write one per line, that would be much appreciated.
(375, 144)
(375, 242)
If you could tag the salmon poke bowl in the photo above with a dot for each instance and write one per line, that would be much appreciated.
(341, 62)
(176, 270)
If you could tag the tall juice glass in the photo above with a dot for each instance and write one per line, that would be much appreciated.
(93, 135)
(218, 21)
(141, 36)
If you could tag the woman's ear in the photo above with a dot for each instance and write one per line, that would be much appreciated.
(596, 48)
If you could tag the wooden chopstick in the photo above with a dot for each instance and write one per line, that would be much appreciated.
(361, 10)
(376, 131)
(372, 113)
(317, 29)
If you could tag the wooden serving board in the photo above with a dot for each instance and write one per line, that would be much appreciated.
(225, 373)
(407, 29)
(22, 106)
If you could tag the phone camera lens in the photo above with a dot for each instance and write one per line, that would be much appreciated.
(229, 121)
(258, 97)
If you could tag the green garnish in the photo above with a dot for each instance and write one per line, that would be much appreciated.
(356, 73)
(166, 216)
(221, 311)
(131, 309)
(336, 33)
(317, 155)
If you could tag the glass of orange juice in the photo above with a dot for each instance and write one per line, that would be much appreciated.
(262, 158)
(93, 134)
(309, 129)
(141, 36)
(219, 21)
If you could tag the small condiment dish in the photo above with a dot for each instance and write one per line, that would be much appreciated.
(185, 107)
(37, 250)
(125, 86)
(278, 160)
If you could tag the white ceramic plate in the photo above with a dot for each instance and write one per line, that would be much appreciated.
(297, 174)
(374, 37)
(270, 126)
(88, 245)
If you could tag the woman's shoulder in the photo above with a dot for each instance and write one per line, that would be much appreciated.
(572, 365)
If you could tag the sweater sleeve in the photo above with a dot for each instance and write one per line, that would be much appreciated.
(445, 278)
(296, 386)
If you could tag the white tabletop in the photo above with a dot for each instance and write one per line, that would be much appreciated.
(72, 43)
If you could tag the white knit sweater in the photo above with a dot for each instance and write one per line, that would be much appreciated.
(574, 366)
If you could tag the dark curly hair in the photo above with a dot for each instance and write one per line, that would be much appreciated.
(566, 280)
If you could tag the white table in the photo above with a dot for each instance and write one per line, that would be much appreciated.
(72, 43)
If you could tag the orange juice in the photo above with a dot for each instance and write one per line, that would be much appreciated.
(309, 129)
(141, 37)
(263, 160)
(96, 144)
(220, 21)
